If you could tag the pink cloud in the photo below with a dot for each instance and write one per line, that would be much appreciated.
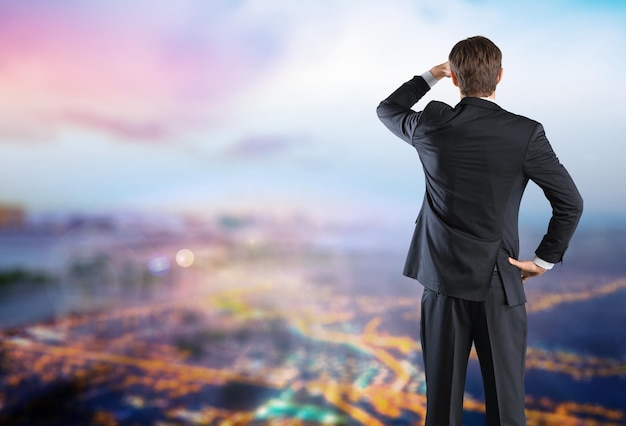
(263, 146)
(118, 127)
(123, 67)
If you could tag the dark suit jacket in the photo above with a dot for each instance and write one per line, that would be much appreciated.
(477, 159)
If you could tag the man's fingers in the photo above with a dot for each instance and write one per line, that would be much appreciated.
(515, 262)
(527, 268)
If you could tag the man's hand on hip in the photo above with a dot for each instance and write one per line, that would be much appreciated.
(527, 268)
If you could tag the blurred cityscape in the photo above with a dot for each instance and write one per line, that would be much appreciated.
(243, 319)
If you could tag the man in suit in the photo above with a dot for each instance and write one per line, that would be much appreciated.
(477, 159)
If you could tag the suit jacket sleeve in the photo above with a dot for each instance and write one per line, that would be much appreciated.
(542, 166)
(395, 112)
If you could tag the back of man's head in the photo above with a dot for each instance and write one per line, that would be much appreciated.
(476, 63)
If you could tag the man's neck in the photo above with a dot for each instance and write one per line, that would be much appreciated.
(491, 97)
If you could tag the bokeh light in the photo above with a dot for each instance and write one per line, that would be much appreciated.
(184, 258)
(158, 265)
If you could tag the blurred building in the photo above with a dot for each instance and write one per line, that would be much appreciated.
(12, 217)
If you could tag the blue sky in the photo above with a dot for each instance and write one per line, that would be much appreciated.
(270, 106)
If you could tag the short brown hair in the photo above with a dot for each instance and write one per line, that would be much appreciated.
(476, 62)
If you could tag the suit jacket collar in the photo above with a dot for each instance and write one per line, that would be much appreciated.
(469, 100)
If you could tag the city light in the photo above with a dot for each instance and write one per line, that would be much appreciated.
(158, 265)
(184, 258)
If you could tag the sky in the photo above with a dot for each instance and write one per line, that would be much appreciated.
(269, 106)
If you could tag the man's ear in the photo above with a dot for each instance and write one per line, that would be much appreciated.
(455, 81)
(500, 75)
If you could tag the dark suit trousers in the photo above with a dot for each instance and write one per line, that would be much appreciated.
(449, 326)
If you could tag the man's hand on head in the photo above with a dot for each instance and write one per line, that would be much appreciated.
(527, 268)
(440, 71)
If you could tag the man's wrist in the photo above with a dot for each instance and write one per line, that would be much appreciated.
(542, 263)
(429, 78)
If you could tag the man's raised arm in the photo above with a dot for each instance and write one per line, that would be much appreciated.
(395, 112)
